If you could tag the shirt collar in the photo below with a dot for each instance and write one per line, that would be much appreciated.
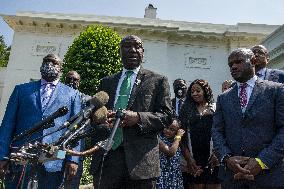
(250, 82)
(262, 71)
(136, 70)
(44, 82)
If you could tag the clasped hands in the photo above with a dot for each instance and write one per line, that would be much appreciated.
(130, 118)
(243, 167)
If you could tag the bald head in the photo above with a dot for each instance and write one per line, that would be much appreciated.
(261, 55)
(73, 79)
(131, 52)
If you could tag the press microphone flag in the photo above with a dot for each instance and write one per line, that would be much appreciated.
(43, 124)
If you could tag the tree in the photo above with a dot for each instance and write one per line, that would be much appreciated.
(94, 54)
(4, 52)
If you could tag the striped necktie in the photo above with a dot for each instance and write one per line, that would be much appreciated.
(121, 103)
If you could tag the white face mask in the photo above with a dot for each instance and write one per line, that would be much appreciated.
(49, 71)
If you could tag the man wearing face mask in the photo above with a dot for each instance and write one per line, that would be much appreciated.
(30, 103)
(180, 88)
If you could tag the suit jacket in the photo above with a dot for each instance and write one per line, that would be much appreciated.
(274, 75)
(258, 132)
(150, 97)
(24, 110)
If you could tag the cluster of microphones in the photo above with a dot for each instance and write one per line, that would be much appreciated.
(77, 127)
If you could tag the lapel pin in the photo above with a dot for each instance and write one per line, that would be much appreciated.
(138, 81)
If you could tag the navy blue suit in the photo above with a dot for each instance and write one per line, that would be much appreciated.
(274, 75)
(24, 110)
(258, 132)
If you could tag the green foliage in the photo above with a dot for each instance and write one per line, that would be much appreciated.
(86, 177)
(94, 54)
(4, 52)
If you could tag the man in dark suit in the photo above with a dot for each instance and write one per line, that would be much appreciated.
(248, 128)
(30, 103)
(133, 161)
(180, 88)
(262, 58)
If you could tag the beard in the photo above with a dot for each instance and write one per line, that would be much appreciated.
(49, 72)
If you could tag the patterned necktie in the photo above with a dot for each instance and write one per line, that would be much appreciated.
(121, 103)
(243, 95)
(45, 95)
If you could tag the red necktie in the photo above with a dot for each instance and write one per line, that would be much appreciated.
(243, 95)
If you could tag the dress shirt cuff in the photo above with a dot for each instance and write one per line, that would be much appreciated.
(262, 165)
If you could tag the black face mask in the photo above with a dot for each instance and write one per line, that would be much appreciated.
(49, 71)
(180, 91)
(72, 85)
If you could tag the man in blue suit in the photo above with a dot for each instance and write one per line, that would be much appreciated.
(262, 58)
(30, 103)
(248, 128)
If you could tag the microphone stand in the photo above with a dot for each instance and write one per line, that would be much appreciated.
(119, 115)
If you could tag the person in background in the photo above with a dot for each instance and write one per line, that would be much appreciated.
(30, 103)
(170, 152)
(180, 88)
(72, 79)
(226, 85)
(262, 59)
(197, 116)
(248, 128)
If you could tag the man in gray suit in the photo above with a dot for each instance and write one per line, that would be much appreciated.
(262, 58)
(248, 128)
(133, 161)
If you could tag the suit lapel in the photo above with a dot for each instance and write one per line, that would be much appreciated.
(113, 88)
(138, 82)
(37, 95)
(255, 93)
(233, 97)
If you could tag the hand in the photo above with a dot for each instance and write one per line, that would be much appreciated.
(70, 170)
(180, 132)
(254, 168)
(194, 169)
(130, 119)
(214, 162)
(237, 163)
(3, 168)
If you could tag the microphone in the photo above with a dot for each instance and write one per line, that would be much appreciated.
(96, 102)
(43, 124)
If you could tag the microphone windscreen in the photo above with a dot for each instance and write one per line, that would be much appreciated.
(100, 116)
(99, 99)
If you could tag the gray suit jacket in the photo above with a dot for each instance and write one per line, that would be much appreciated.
(150, 97)
(259, 132)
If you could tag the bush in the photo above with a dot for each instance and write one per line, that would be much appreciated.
(4, 52)
(94, 54)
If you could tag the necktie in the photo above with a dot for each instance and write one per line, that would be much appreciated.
(180, 103)
(259, 75)
(121, 103)
(45, 95)
(243, 95)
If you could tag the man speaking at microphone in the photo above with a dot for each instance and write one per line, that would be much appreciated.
(30, 103)
(133, 161)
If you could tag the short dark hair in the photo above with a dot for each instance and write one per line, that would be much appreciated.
(53, 57)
